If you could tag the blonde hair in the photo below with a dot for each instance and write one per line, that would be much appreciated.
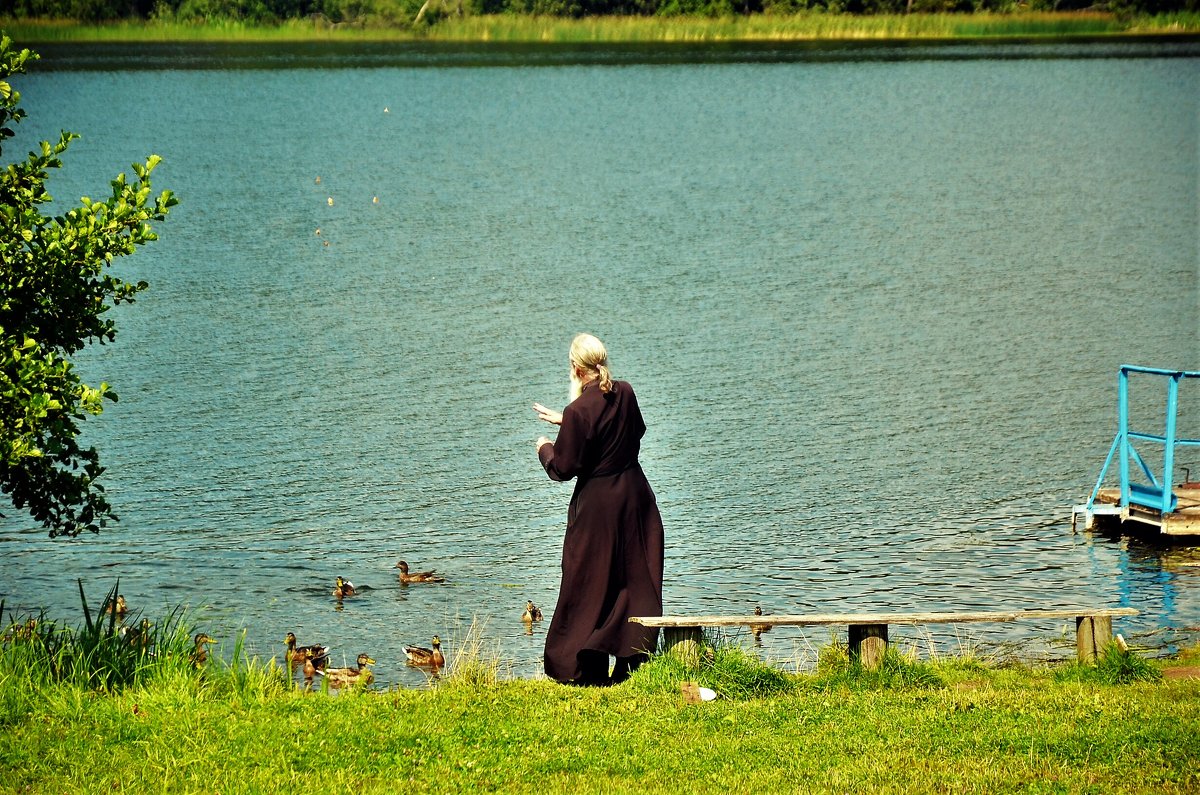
(589, 353)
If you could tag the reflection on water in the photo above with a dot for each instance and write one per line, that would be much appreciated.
(866, 305)
(1164, 581)
(374, 55)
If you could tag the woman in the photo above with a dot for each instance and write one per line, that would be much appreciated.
(612, 562)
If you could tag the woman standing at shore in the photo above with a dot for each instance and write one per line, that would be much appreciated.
(612, 562)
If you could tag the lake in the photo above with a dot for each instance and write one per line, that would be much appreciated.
(873, 301)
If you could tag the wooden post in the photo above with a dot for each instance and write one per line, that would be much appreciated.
(684, 642)
(1092, 634)
(868, 642)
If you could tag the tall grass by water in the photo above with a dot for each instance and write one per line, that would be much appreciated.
(510, 28)
(112, 651)
(946, 724)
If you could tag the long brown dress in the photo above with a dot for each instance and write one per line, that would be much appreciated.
(612, 563)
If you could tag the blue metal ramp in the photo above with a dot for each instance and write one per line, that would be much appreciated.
(1153, 500)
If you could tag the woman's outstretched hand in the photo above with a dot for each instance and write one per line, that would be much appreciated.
(552, 417)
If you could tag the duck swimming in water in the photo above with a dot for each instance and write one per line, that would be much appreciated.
(408, 578)
(532, 613)
(426, 658)
(118, 607)
(350, 676)
(343, 588)
(314, 662)
(297, 654)
(759, 629)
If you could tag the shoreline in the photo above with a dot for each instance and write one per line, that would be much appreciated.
(759, 29)
(366, 52)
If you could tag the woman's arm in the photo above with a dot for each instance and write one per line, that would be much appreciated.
(545, 414)
(563, 458)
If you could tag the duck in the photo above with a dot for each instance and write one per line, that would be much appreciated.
(314, 661)
(297, 654)
(420, 656)
(343, 588)
(139, 635)
(26, 631)
(532, 613)
(200, 652)
(407, 577)
(118, 607)
(758, 629)
(350, 676)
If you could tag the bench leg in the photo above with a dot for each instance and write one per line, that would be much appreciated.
(1092, 634)
(684, 642)
(868, 642)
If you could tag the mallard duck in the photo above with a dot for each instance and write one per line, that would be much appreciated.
(532, 613)
(139, 635)
(343, 588)
(200, 652)
(24, 631)
(349, 676)
(314, 661)
(758, 629)
(118, 607)
(418, 655)
(296, 654)
(407, 577)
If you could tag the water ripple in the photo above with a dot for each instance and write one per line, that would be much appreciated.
(858, 300)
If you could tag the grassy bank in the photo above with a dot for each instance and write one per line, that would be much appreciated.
(972, 731)
(518, 29)
(953, 725)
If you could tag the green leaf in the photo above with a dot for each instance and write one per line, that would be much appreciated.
(55, 270)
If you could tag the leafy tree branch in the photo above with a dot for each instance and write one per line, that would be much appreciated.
(55, 290)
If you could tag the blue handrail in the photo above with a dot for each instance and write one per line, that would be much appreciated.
(1158, 494)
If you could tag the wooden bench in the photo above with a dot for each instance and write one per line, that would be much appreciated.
(869, 631)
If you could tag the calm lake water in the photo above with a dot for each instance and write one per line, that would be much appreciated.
(873, 301)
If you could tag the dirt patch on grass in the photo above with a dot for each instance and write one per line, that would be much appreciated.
(1182, 672)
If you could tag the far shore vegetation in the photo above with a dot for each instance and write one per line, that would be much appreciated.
(514, 28)
(126, 704)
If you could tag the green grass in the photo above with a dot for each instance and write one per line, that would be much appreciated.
(510, 28)
(947, 725)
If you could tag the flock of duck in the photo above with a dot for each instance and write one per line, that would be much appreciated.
(313, 659)
(139, 634)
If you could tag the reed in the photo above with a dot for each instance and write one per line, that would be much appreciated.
(518, 29)
(106, 653)
(474, 662)
(763, 28)
(247, 678)
(1114, 666)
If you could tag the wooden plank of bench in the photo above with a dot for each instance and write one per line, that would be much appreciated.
(1093, 626)
(876, 618)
